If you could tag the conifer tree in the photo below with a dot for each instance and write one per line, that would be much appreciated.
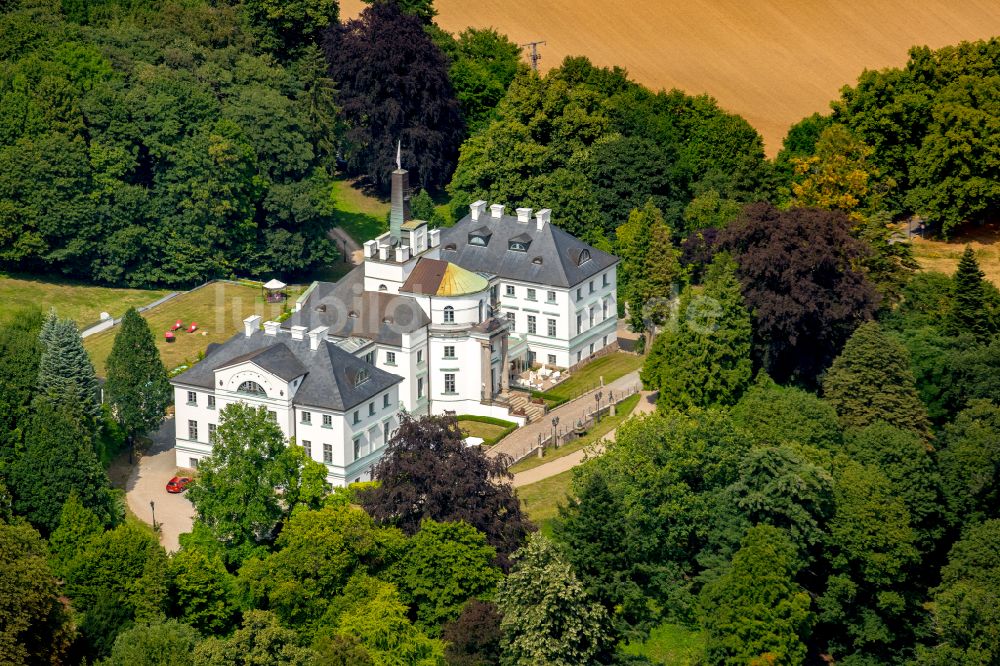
(650, 264)
(66, 376)
(58, 460)
(704, 359)
(871, 381)
(756, 612)
(968, 311)
(137, 385)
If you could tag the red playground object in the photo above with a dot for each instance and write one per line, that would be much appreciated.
(178, 324)
(169, 336)
(192, 328)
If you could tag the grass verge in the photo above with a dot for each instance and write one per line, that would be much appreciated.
(607, 424)
(541, 500)
(492, 430)
(670, 644)
(218, 309)
(79, 302)
(610, 367)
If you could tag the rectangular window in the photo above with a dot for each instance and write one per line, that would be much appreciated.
(386, 433)
(591, 286)
(193, 431)
(552, 328)
(604, 310)
(357, 448)
(578, 356)
(605, 341)
(308, 446)
(327, 421)
(273, 415)
(593, 314)
(211, 402)
(193, 463)
(449, 383)
(420, 387)
(307, 418)
(605, 280)
(385, 401)
(579, 322)
(512, 318)
(591, 348)
(532, 324)
(550, 297)
(420, 356)
(390, 358)
(510, 290)
(370, 358)
(328, 454)
(211, 433)
(552, 359)
(357, 417)
(371, 409)
(192, 398)
(531, 294)
(579, 293)
(449, 351)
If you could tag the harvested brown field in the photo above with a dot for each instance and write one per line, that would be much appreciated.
(943, 256)
(772, 61)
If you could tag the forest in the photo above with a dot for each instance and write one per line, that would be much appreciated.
(819, 483)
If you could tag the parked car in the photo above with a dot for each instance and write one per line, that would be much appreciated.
(178, 484)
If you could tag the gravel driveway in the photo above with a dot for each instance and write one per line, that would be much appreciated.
(147, 482)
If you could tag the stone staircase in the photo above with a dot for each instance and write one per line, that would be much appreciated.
(518, 400)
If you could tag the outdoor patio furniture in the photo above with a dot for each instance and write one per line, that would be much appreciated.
(192, 328)
(177, 325)
(169, 336)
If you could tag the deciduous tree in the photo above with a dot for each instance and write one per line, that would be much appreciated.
(202, 592)
(969, 461)
(394, 86)
(260, 640)
(547, 616)
(427, 472)
(800, 282)
(169, 642)
(473, 638)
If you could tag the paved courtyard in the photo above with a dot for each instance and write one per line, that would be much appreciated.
(147, 482)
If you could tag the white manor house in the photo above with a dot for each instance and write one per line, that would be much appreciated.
(432, 321)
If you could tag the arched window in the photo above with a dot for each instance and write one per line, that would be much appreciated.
(382, 287)
(251, 388)
(449, 315)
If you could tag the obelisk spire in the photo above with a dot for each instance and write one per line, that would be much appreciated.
(399, 211)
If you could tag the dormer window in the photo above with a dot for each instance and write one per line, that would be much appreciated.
(361, 377)
(251, 388)
(451, 246)
(584, 257)
(537, 261)
(517, 245)
(480, 236)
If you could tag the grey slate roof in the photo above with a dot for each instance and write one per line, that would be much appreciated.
(330, 372)
(331, 305)
(558, 250)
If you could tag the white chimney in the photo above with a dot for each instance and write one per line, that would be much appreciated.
(299, 332)
(524, 215)
(434, 237)
(383, 252)
(271, 327)
(476, 209)
(402, 254)
(370, 248)
(316, 336)
(542, 217)
(496, 210)
(251, 324)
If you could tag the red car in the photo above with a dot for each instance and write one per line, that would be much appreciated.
(178, 484)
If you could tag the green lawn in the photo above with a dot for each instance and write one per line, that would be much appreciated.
(607, 424)
(81, 303)
(611, 367)
(218, 309)
(487, 431)
(541, 500)
(361, 216)
(670, 644)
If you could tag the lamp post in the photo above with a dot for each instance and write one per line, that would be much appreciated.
(152, 507)
(597, 416)
(555, 424)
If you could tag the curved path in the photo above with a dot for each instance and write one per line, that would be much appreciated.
(647, 405)
(344, 240)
